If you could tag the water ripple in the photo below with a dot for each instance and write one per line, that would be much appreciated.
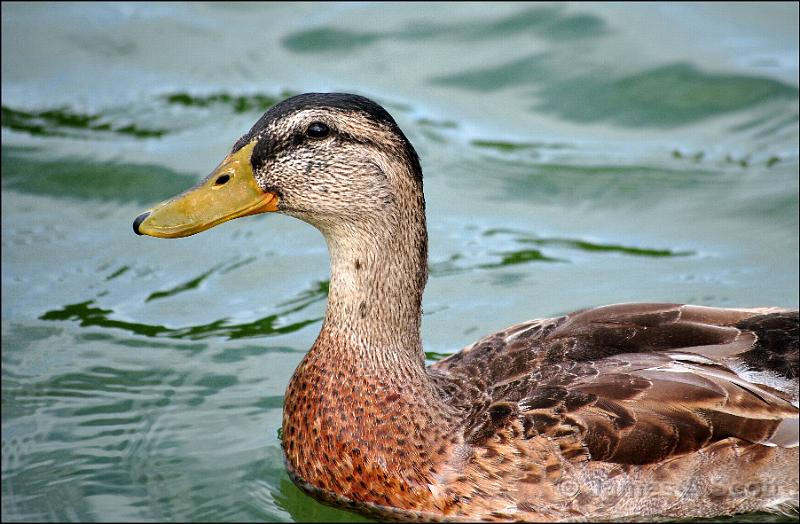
(90, 315)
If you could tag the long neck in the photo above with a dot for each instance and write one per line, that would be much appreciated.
(361, 412)
(378, 273)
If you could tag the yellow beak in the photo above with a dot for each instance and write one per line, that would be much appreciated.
(229, 192)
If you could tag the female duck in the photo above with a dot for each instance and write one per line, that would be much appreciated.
(630, 410)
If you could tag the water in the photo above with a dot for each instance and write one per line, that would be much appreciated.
(574, 155)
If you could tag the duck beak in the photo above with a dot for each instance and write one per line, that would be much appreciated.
(229, 192)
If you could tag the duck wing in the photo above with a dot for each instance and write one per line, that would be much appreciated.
(635, 383)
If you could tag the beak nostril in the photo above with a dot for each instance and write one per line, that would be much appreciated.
(136, 223)
(221, 180)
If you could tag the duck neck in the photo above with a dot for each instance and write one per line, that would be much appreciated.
(361, 413)
(378, 274)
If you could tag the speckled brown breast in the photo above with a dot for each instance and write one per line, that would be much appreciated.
(359, 436)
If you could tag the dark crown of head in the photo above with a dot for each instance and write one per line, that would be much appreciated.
(340, 101)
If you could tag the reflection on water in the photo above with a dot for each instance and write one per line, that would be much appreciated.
(548, 22)
(26, 171)
(574, 155)
(63, 122)
(275, 324)
(668, 95)
(67, 122)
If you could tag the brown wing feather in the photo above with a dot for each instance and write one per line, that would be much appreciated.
(638, 383)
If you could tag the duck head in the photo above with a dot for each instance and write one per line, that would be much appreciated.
(330, 159)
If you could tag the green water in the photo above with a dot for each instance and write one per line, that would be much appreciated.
(574, 155)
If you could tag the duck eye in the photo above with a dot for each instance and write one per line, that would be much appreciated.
(318, 130)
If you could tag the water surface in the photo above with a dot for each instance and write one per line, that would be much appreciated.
(574, 155)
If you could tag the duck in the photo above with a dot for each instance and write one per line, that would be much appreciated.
(628, 411)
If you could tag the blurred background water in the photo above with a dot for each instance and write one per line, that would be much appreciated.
(574, 155)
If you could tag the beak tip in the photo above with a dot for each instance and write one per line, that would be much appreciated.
(136, 223)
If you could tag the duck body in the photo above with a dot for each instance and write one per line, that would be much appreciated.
(629, 411)
(623, 411)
